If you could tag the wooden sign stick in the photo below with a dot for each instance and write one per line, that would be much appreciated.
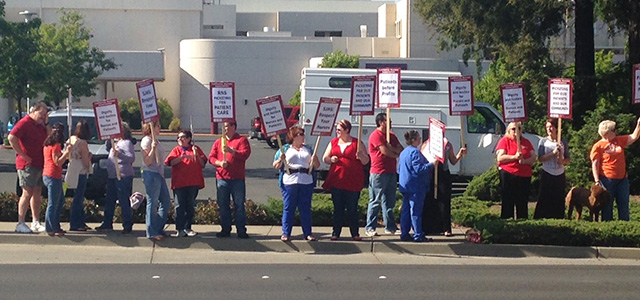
(315, 151)
(153, 139)
(464, 144)
(388, 125)
(518, 133)
(435, 180)
(359, 134)
(286, 165)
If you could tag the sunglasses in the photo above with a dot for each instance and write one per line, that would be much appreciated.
(300, 134)
(182, 137)
(513, 128)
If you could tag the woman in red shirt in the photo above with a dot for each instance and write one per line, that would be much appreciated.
(345, 178)
(514, 166)
(52, 177)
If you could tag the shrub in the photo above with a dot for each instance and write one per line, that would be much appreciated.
(339, 59)
(485, 187)
(174, 125)
(467, 211)
(130, 112)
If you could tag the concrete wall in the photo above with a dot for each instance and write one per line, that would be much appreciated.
(259, 67)
(256, 21)
(358, 6)
(306, 23)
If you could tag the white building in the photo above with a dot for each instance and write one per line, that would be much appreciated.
(261, 45)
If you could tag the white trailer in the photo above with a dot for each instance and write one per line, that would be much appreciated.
(424, 94)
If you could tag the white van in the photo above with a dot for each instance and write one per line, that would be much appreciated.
(424, 94)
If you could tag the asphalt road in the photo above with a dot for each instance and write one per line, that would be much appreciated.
(328, 281)
(262, 179)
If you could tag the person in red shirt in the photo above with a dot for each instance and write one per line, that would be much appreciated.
(609, 167)
(187, 161)
(382, 180)
(52, 177)
(345, 178)
(514, 166)
(230, 159)
(27, 140)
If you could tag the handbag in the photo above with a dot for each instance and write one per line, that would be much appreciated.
(73, 171)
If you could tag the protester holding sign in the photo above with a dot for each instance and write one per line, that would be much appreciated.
(553, 155)
(609, 166)
(297, 184)
(122, 157)
(345, 178)
(158, 199)
(413, 171)
(230, 162)
(79, 167)
(382, 181)
(514, 165)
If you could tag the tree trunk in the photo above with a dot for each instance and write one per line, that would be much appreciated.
(585, 85)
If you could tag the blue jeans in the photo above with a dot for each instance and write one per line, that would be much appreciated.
(619, 190)
(232, 188)
(76, 218)
(185, 204)
(158, 203)
(411, 215)
(345, 199)
(118, 190)
(296, 196)
(55, 203)
(382, 191)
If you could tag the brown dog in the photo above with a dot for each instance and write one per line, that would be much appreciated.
(595, 200)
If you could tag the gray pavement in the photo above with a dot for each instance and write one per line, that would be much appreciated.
(265, 240)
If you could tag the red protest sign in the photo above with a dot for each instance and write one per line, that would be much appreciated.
(436, 139)
(148, 101)
(388, 87)
(514, 104)
(222, 99)
(326, 115)
(461, 95)
(363, 94)
(560, 98)
(272, 115)
(108, 121)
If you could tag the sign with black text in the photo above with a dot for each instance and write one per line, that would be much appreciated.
(560, 98)
(148, 101)
(461, 95)
(514, 108)
(436, 139)
(326, 115)
(107, 114)
(388, 87)
(363, 93)
(636, 84)
(272, 115)
(222, 96)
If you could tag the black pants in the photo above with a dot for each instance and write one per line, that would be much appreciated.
(551, 198)
(436, 214)
(515, 191)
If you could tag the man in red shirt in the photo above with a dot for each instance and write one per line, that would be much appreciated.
(382, 180)
(229, 159)
(27, 139)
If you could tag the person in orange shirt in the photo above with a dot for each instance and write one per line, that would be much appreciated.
(54, 157)
(609, 167)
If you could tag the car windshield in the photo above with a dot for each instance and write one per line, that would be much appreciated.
(74, 121)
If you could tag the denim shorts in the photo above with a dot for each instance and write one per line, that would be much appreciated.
(30, 176)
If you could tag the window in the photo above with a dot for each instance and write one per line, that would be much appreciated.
(405, 84)
(219, 27)
(484, 121)
(320, 33)
(241, 33)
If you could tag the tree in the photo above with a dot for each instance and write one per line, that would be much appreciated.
(19, 46)
(585, 73)
(338, 59)
(69, 60)
(623, 15)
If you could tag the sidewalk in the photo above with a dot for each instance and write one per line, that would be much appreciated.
(267, 239)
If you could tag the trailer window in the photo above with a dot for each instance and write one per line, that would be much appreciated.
(340, 82)
(484, 121)
(406, 84)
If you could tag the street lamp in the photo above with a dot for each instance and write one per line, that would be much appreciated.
(28, 15)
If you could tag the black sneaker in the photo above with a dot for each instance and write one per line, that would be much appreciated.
(126, 231)
(103, 228)
(243, 236)
(223, 234)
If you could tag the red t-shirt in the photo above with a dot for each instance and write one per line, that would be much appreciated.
(347, 173)
(31, 136)
(188, 172)
(236, 167)
(50, 168)
(511, 146)
(380, 163)
(611, 156)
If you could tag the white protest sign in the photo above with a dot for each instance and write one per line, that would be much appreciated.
(514, 108)
(107, 114)
(389, 87)
(148, 102)
(222, 96)
(636, 84)
(436, 139)
(363, 93)
(326, 115)
(560, 98)
(461, 95)
(272, 115)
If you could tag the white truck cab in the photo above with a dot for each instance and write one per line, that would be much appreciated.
(424, 94)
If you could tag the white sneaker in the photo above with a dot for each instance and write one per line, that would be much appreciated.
(371, 233)
(190, 232)
(22, 228)
(37, 227)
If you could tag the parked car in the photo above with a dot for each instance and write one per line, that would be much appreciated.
(292, 115)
